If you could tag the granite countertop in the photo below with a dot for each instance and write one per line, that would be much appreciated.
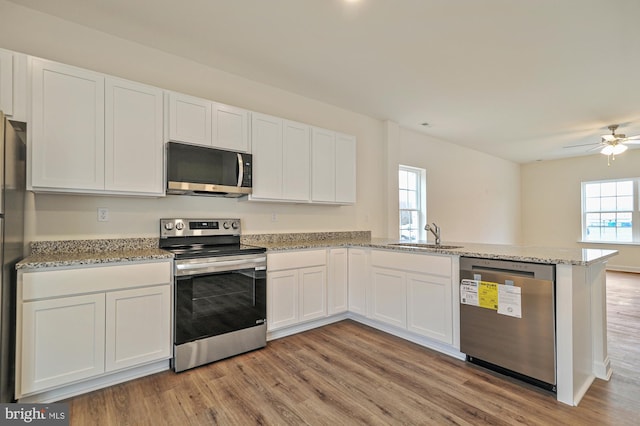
(50, 254)
(549, 255)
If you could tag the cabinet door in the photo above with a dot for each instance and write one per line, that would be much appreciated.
(296, 147)
(230, 128)
(6, 82)
(266, 145)
(345, 169)
(323, 165)
(133, 138)
(429, 308)
(358, 280)
(189, 119)
(68, 127)
(337, 284)
(62, 341)
(313, 293)
(282, 299)
(138, 327)
(389, 296)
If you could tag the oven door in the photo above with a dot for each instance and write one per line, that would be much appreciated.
(209, 303)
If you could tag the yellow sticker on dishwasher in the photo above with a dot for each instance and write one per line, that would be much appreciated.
(488, 295)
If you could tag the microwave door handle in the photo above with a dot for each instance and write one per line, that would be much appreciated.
(240, 170)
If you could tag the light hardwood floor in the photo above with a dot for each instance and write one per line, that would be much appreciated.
(347, 373)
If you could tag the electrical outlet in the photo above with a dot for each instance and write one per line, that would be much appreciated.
(103, 214)
(274, 217)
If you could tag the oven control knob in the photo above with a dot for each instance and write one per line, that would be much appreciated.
(226, 225)
(168, 226)
(235, 224)
(179, 226)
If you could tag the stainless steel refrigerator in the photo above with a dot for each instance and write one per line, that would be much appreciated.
(12, 191)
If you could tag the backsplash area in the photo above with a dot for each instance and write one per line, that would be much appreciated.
(261, 239)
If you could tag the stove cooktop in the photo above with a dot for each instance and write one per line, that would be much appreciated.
(195, 252)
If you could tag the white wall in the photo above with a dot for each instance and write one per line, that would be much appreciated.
(551, 207)
(473, 196)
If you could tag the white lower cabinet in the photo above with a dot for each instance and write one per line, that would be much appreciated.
(413, 292)
(429, 306)
(313, 293)
(359, 279)
(389, 296)
(282, 297)
(78, 324)
(138, 329)
(338, 281)
(63, 341)
(296, 287)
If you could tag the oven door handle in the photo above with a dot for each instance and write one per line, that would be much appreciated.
(229, 265)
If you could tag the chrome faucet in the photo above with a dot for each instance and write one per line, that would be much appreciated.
(435, 230)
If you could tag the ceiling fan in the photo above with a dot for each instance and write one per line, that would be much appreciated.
(613, 144)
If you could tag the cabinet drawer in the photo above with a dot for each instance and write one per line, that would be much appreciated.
(56, 283)
(427, 263)
(296, 259)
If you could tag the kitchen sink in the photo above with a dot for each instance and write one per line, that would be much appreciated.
(426, 246)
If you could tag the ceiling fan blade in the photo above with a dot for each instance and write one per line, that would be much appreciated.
(608, 138)
(582, 144)
(633, 138)
(632, 142)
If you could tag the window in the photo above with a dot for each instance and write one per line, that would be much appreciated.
(609, 211)
(412, 197)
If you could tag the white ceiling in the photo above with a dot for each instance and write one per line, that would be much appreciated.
(518, 79)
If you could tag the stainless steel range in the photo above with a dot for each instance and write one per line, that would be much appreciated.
(220, 295)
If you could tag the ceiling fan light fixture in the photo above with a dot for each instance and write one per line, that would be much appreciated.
(619, 148)
(614, 149)
(607, 150)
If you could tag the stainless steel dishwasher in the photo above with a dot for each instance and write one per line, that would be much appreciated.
(507, 318)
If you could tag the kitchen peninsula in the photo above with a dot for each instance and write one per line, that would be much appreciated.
(581, 324)
(351, 258)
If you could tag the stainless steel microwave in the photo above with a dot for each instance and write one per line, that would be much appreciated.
(200, 170)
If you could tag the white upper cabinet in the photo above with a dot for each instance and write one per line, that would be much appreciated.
(323, 165)
(230, 128)
(296, 150)
(67, 144)
(345, 169)
(13, 84)
(266, 144)
(133, 137)
(189, 119)
(204, 122)
(94, 134)
(280, 150)
(6, 82)
(333, 167)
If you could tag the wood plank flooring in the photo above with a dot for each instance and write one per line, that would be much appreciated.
(347, 373)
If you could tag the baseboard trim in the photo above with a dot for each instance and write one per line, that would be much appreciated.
(91, 385)
(403, 334)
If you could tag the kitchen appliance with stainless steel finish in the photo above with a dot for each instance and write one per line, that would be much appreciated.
(507, 318)
(201, 170)
(220, 290)
(12, 193)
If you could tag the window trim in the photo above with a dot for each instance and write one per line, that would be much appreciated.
(422, 200)
(635, 212)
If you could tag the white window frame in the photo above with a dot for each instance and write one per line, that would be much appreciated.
(635, 212)
(421, 191)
